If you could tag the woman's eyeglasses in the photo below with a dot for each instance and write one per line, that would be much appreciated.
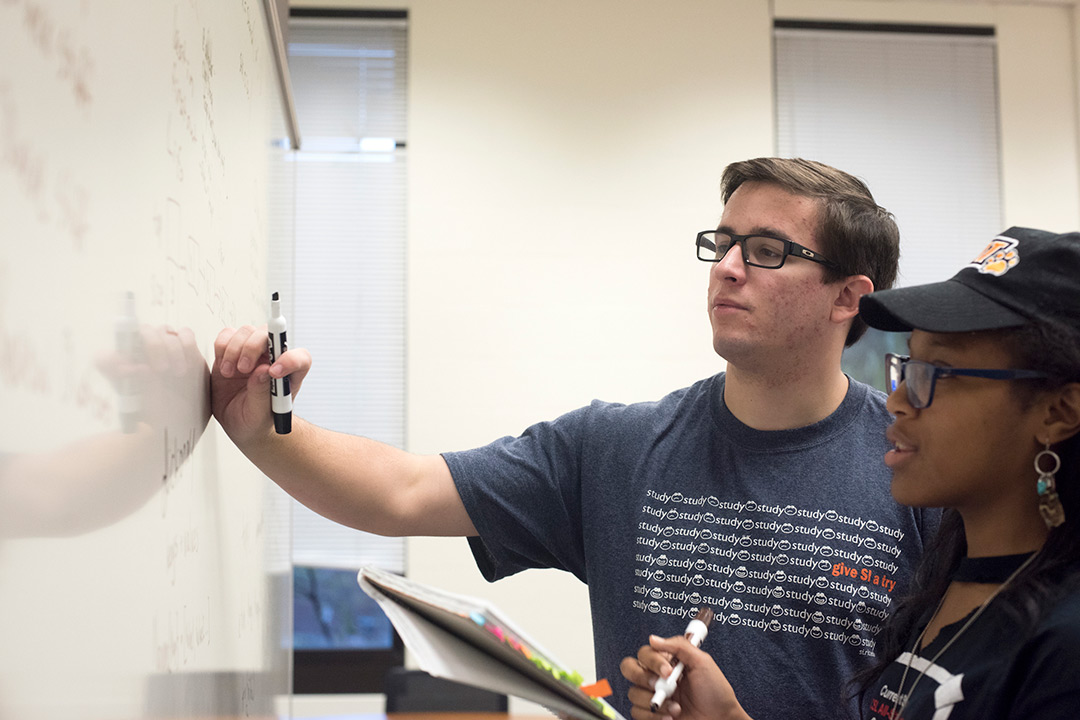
(921, 377)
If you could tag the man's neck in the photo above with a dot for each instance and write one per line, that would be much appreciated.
(768, 401)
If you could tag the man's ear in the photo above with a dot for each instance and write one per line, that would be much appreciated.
(850, 289)
(1062, 419)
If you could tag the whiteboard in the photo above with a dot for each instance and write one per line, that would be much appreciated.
(144, 567)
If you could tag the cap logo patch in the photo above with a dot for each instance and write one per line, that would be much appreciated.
(996, 259)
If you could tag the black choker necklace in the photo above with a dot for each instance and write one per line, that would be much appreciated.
(989, 569)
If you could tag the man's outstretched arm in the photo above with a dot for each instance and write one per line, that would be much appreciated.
(352, 480)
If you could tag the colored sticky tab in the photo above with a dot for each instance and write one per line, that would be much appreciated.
(599, 689)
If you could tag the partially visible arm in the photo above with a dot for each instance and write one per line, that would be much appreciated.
(80, 487)
(95, 481)
(352, 480)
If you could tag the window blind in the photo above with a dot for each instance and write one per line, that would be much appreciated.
(914, 114)
(349, 80)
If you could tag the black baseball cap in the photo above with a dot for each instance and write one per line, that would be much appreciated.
(1022, 275)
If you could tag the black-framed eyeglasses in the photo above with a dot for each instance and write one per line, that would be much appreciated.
(757, 250)
(921, 377)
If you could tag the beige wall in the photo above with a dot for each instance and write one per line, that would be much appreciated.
(561, 156)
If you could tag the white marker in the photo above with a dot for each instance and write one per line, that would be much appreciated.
(280, 394)
(695, 633)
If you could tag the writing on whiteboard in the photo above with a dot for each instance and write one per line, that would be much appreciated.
(57, 201)
(56, 40)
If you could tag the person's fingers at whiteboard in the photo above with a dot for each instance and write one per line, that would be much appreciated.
(239, 400)
(295, 363)
(254, 353)
(220, 343)
(239, 349)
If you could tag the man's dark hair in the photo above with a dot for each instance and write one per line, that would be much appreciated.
(853, 231)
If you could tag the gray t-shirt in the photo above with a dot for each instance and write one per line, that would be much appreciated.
(790, 536)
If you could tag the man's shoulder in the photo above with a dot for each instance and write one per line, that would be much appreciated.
(868, 391)
(701, 391)
(871, 399)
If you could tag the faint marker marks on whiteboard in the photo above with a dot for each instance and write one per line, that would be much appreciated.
(27, 363)
(174, 145)
(72, 208)
(249, 16)
(56, 199)
(242, 65)
(179, 635)
(195, 140)
(22, 364)
(248, 703)
(187, 266)
(59, 48)
(17, 153)
(181, 548)
(208, 98)
(250, 616)
(183, 83)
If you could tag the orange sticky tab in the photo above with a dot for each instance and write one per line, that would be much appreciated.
(599, 689)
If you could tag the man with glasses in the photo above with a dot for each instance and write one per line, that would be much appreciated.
(759, 492)
(819, 550)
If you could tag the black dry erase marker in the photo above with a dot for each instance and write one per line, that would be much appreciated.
(280, 394)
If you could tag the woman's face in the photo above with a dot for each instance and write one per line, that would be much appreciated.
(973, 448)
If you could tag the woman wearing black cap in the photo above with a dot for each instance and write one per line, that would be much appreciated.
(987, 425)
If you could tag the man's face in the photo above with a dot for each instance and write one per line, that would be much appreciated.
(762, 316)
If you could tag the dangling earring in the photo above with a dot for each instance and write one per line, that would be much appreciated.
(1053, 513)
